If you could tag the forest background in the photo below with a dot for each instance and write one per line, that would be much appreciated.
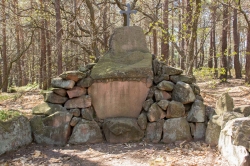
(42, 38)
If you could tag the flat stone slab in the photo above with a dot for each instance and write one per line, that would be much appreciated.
(118, 98)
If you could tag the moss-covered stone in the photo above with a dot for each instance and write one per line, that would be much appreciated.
(47, 109)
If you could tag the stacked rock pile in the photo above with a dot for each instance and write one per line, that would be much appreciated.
(173, 111)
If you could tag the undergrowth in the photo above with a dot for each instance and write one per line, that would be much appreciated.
(8, 114)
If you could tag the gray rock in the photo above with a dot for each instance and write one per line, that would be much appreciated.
(75, 111)
(160, 78)
(14, 133)
(234, 141)
(227, 116)
(74, 121)
(171, 70)
(142, 120)
(155, 113)
(154, 131)
(212, 133)
(60, 83)
(47, 109)
(72, 75)
(60, 91)
(86, 132)
(79, 102)
(176, 129)
(151, 92)
(85, 82)
(244, 109)
(224, 104)
(183, 78)
(165, 85)
(161, 95)
(146, 104)
(87, 113)
(52, 97)
(175, 110)
(198, 130)
(76, 92)
(210, 112)
(54, 129)
(197, 112)
(196, 89)
(198, 97)
(121, 130)
(183, 93)
(156, 66)
(163, 104)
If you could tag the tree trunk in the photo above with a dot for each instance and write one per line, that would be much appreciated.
(165, 36)
(223, 76)
(247, 67)
(58, 37)
(48, 49)
(4, 50)
(155, 42)
(237, 65)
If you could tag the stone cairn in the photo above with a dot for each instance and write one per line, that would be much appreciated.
(127, 96)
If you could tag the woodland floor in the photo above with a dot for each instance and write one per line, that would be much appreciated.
(135, 154)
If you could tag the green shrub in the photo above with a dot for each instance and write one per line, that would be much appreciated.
(8, 114)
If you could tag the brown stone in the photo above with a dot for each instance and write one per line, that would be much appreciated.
(154, 131)
(72, 75)
(75, 111)
(87, 113)
(52, 97)
(146, 104)
(175, 110)
(79, 102)
(155, 113)
(74, 121)
(162, 95)
(118, 99)
(163, 104)
(76, 92)
(60, 91)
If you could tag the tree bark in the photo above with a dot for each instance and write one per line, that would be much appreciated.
(247, 67)
(237, 65)
(155, 46)
(165, 36)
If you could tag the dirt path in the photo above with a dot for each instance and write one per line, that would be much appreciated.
(134, 154)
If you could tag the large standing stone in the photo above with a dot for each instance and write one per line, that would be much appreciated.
(72, 75)
(155, 113)
(154, 131)
(14, 133)
(118, 98)
(161, 95)
(54, 98)
(171, 70)
(183, 78)
(121, 130)
(119, 87)
(175, 110)
(197, 112)
(79, 102)
(47, 109)
(183, 93)
(86, 132)
(176, 129)
(234, 141)
(54, 129)
(244, 109)
(165, 85)
(60, 83)
(76, 92)
(224, 104)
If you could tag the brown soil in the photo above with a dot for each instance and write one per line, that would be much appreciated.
(137, 154)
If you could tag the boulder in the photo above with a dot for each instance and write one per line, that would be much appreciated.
(83, 101)
(85, 82)
(76, 92)
(176, 129)
(14, 133)
(142, 120)
(163, 104)
(87, 113)
(160, 78)
(227, 116)
(60, 91)
(54, 98)
(234, 141)
(74, 121)
(197, 112)
(146, 104)
(224, 104)
(86, 132)
(165, 85)
(155, 113)
(121, 130)
(154, 131)
(198, 130)
(183, 93)
(196, 88)
(54, 129)
(183, 78)
(60, 83)
(72, 75)
(212, 133)
(75, 111)
(47, 109)
(161, 95)
(118, 98)
(168, 70)
(175, 110)
(244, 109)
